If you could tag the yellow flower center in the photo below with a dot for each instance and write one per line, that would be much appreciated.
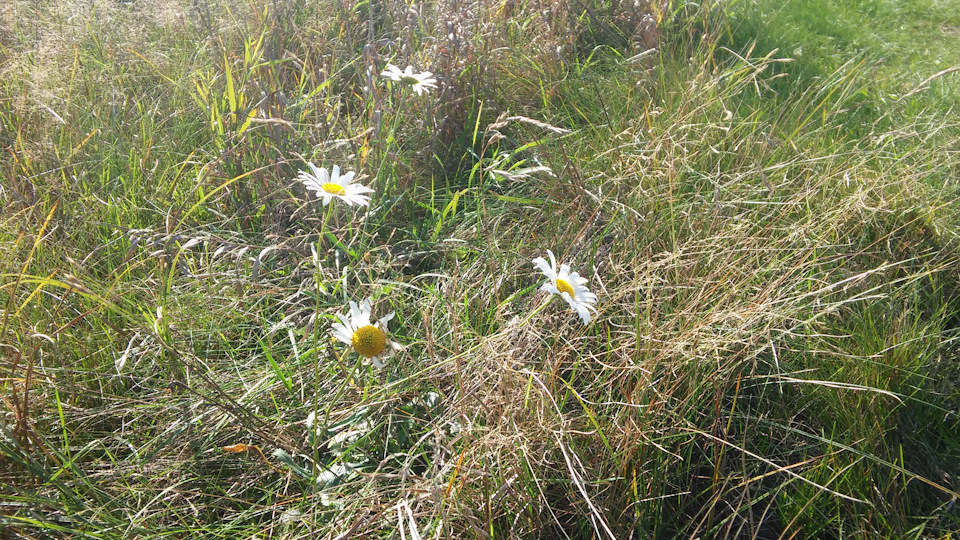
(369, 341)
(409, 79)
(333, 188)
(564, 287)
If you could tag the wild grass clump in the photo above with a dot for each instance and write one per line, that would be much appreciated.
(195, 193)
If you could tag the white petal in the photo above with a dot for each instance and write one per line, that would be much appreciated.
(354, 311)
(343, 337)
(346, 323)
(323, 176)
(362, 315)
(304, 176)
(356, 200)
(357, 189)
(316, 170)
(343, 332)
(309, 181)
(392, 72)
(541, 263)
(583, 312)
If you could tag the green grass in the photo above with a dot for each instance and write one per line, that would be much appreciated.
(766, 206)
(907, 48)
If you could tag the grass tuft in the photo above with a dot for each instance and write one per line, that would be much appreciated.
(762, 196)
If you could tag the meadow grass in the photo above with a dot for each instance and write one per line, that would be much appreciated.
(772, 234)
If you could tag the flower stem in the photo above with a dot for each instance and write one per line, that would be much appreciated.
(318, 255)
(323, 224)
(537, 311)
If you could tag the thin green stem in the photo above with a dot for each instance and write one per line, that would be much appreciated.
(318, 277)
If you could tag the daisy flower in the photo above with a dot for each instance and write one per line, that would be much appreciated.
(369, 340)
(335, 186)
(569, 285)
(421, 82)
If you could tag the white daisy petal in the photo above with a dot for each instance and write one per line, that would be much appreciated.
(337, 186)
(358, 200)
(553, 261)
(343, 337)
(307, 178)
(356, 189)
(344, 323)
(369, 340)
(419, 82)
(392, 72)
(316, 172)
(583, 312)
(567, 284)
(541, 263)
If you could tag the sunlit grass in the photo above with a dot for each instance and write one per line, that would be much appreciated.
(771, 235)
